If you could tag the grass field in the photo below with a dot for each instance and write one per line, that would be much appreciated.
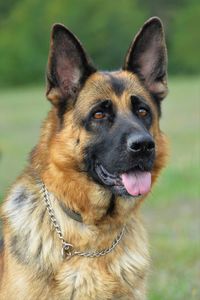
(171, 213)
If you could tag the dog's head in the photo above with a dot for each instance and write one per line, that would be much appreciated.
(108, 122)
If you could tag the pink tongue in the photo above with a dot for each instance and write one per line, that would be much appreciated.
(137, 183)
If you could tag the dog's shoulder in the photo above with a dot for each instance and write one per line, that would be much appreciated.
(22, 199)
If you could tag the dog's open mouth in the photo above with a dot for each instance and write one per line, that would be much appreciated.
(134, 182)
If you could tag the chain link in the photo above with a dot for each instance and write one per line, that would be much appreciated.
(67, 248)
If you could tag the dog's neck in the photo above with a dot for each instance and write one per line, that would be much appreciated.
(95, 205)
(71, 213)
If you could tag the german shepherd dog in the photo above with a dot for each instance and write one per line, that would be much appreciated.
(72, 228)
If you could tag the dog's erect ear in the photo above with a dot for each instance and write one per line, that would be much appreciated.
(68, 66)
(147, 57)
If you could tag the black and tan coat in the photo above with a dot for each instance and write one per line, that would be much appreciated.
(93, 128)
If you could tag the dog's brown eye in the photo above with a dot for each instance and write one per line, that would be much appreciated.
(99, 115)
(142, 112)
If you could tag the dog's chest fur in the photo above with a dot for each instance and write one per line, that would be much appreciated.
(118, 275)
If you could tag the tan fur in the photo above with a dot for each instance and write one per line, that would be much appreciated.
(33, 265)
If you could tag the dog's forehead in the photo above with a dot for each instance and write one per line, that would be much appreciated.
(117, 86)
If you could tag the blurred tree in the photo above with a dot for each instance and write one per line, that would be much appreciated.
(185, 40)
(166, 10)
(106, 28)
(6, 7)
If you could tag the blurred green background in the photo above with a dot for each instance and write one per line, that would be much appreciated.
(106, 29)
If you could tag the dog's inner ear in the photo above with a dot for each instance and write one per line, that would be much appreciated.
(147, 57)
(68, 66)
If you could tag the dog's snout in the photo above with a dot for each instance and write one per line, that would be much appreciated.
(140, 143)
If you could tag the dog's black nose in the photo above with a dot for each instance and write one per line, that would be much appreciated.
(140, 143)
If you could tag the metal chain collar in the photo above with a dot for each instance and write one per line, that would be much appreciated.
(68, 250)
